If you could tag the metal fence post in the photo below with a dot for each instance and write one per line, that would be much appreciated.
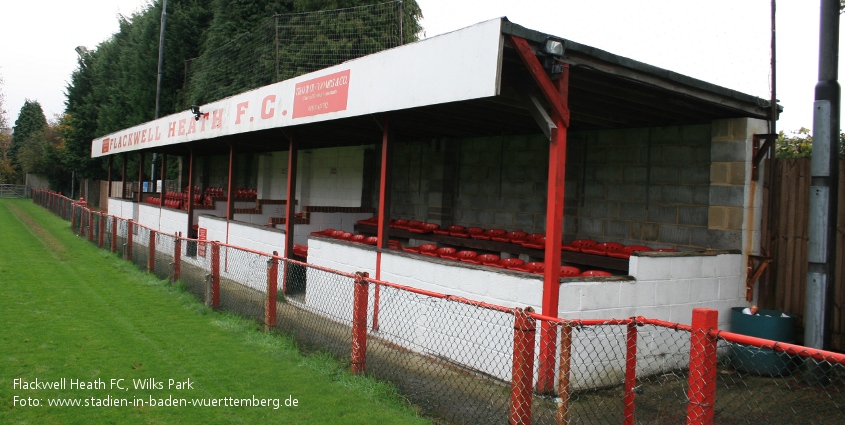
(522, 374)
(215, 274)
(72, 218)
(177, 257)
(129, 231)
(359, 324)
(151, 261)
(114, 234)
(272, 280)
(563, 380)
(702, 367)
(630, 373)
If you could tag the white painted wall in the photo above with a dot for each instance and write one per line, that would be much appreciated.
(320, 221)
(662, 287)
(122, 208)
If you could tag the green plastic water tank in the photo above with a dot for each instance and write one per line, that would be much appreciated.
(769, 324)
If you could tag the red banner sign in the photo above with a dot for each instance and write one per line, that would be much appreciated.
(328, 93)
(202, 236)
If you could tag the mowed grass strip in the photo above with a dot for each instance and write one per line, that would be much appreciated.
(69, 310)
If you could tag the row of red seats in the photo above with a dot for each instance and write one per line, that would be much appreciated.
(170, 203)
(182, 196)
(533, 240)
(215, 192)
(348, 236)
(154, 201)
(246, 193)
(493, 260)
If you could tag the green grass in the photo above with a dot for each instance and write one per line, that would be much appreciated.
(69, 310)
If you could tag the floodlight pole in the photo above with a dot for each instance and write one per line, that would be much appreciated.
(158, 78)
(824, 170)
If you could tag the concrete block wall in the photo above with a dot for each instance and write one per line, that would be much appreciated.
(319, 221)
(122, 208)
(257, 238)
(647, 186)
(336, 177)
(735, 211)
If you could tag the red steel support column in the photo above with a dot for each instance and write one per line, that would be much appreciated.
(290, 208)
(108, 194)
(563, 380)
(522, 374)
(230, 199)
(114, 234)
(215, 274)
(383, 209)
(151, 261)
(177, 257)
(630, 373)
(192, 234)
(129, 232)
(359, 324)
(554, 238)
(272, 281)
(140, 176)
(702, 367)
(101, 229)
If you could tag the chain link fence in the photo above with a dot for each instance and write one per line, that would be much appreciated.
(463, 361)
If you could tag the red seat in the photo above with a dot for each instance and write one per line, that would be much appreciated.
(337, 234)
(345, 236)
(425, 228)
(399, 224)
(578, 244)
(569, 271)
(372, 221)
(472, 231)
(516, 236)
(467, 256)
(596, 273)
(489, 234)
(603, 248)
(627, 251)
(491, 260)
(324, 232)
(535, 267)
(535, 241)
(457, 231)
(371, 240)
(422, 248)
(358, 238)
(447, 252)
(513, 264)
(414, 224)
(393, 244)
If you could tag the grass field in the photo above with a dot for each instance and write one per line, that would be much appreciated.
(72, 313)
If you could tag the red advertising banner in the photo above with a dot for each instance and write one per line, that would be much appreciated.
(203, 235)
(328, 93)
(106, 145)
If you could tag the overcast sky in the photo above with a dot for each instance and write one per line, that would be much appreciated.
(724, 42)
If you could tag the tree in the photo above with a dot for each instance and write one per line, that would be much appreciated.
(799, 144)
(7, 172)
(31, 121)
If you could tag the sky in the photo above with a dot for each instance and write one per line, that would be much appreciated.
(724, 42)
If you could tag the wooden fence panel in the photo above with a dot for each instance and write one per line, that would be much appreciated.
(788, 280)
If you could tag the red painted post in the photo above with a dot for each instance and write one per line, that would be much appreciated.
(100, 230)
(563, 381)
(702, 367)
(177, 257)
(151, 260)
(114, 234)
(272, 281)
(630, 373)
(72, 217)
(522, 374)
(359, 324)
(215, 274)
(129, 232)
